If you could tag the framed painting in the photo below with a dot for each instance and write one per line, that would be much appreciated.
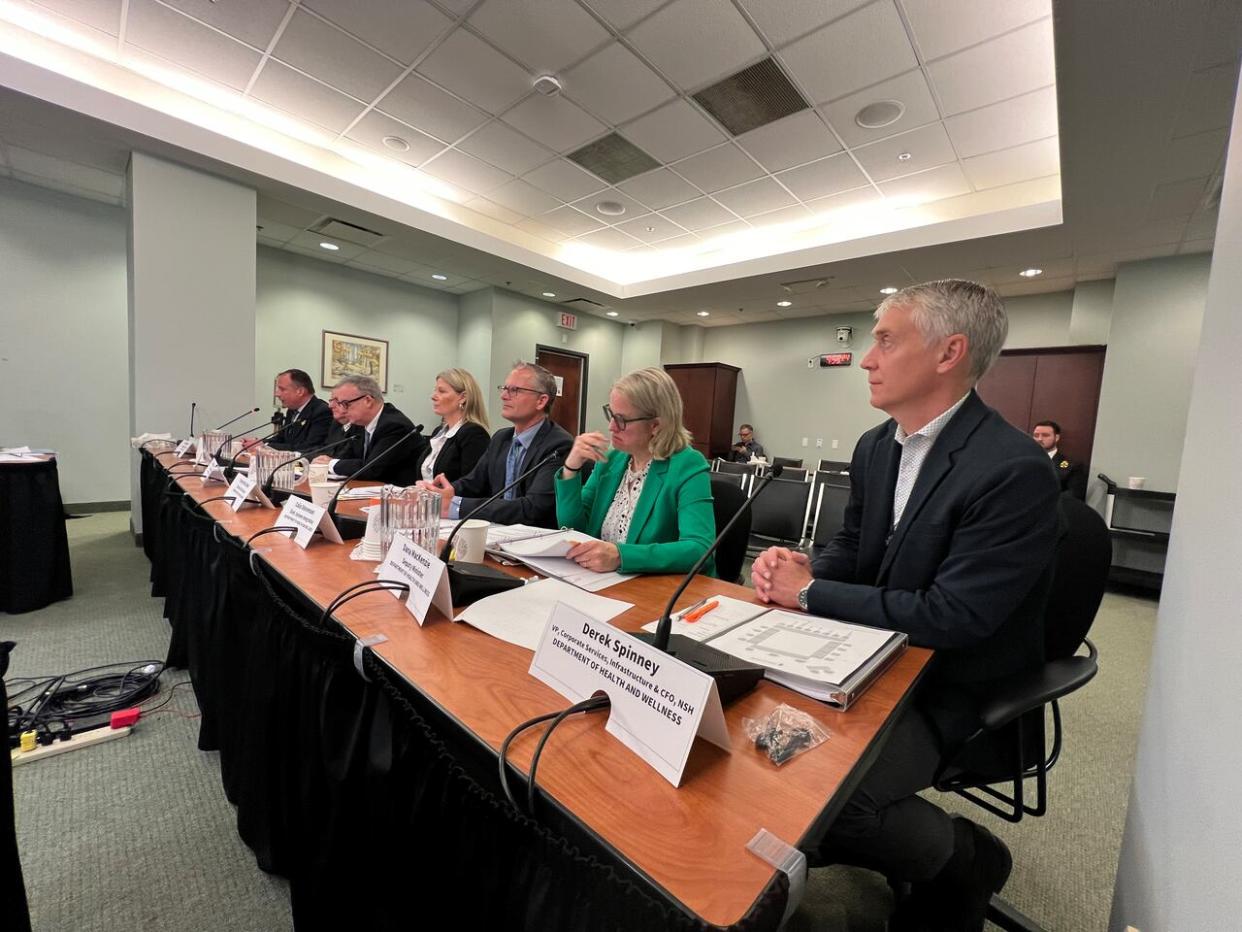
(349, 354)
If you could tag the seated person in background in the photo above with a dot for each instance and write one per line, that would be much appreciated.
(307, 418)
(650, 498)
(948, 536)
(341, 429)
(525, 400)
(380, 426)
(1072, 476)
(746, 447)
(462, 436)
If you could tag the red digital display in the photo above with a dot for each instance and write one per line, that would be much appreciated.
(832, 360)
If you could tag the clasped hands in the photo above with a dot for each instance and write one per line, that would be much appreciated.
(779, 574)
(442, 487)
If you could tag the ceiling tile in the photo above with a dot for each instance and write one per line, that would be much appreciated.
(372, 128)
(458, 8)
(625, 13)
(310, 242)
(848, 200)
(184, 42)
(659, 189)
(398, 28)
(756, 197)
(1200, 154)
(565, 180)
(1203, 225)
(1032, 160)
(304, 98)
(383, 262)
(909, 89)
(276, 231)
(942, 182)
(607, 239)
(555, 121)
(792, 141)
(546, 35)
(1008, 123)
(615, 85)
(423, 276)
(1207, 102)
(104, 15)
(862, 48)
(282, 212)
(632, 207)
(316, 48)
(652, 228)
(254, 22)
(926, 147)
(420, 103)
(722, 167)
(466, 171)
(698, 215)
(570, 221)
(525, 199)
(788, 19)
(1014, 64)
(673, 132)
(944, 26)
(832, 175)
(666, 38)
(792, 214)
(472, 69)
(502, 146)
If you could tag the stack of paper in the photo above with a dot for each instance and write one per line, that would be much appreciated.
(520, 615)
(546, 556)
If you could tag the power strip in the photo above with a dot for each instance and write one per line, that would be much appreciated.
(77, 742)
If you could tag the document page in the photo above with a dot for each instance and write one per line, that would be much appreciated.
(727, 613)
(519, 616)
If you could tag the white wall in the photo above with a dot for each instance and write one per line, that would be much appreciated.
(299, 297)
(1039, 320)
(64, 367)
(1180, 855)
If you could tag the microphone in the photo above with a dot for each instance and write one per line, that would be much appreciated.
(277, 418)
(267, 486)
(238, 418)
(733, 677)
(418, 429)
(469, 582)
(193, 405)
(231, 468)
(228, 438)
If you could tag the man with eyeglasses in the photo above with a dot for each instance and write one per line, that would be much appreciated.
(379, 426)
(526, 398)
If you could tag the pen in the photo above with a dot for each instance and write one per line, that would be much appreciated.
(688, 609)
(700, 612)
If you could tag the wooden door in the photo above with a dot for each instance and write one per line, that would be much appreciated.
(570, 369)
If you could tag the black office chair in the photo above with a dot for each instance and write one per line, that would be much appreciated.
(832, 466)
(727, 498)
(794, 472)
(1010, 747)
(732, 469)
(830, 502)
(786, 461)
(779, 516)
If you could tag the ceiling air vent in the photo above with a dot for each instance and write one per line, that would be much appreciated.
(807, 285)
(350, 233)
(754, 97)
(583, 304)
(613, 158)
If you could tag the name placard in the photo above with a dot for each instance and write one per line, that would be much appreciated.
(659, 704)
(183, 448)
(213, 473)
(423, 573)
(306, 516)
(241, 486)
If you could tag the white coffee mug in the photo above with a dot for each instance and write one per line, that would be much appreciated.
(1136, 482)
(470, 543)
(322, 492)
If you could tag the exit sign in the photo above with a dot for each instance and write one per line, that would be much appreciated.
(568, 321)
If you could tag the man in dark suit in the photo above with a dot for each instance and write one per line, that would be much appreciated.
(380, 426)
(1071, 475)
(525, 400)
(307, 418)
(343, 430)
(948, 536)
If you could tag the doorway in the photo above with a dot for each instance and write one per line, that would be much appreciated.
(570, 370)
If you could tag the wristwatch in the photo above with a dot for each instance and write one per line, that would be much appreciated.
(802, 594)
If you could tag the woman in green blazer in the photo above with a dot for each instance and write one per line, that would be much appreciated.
(649, 498)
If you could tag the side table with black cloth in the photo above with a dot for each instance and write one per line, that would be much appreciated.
(34, 546)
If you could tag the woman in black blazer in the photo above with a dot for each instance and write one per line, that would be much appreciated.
(462, 436)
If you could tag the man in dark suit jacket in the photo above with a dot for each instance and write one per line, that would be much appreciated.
(525, 400)
(380, 427)
(307, 418)
(948, 536)
(1071, 475)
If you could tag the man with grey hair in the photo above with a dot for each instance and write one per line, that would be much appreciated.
(948, 536)
(525, 400)
(380, 426)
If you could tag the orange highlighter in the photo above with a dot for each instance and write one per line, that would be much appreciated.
(700, 612)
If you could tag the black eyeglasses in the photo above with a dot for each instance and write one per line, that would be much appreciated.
(344, 403)
(514, 389)
(623, 422)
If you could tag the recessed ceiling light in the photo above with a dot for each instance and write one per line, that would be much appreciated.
(704, 313)
(904, 156)
(879, 114)
(549, 294)
(1031, 273)
(649, 229)
(888, 291)
(396, 143)
(784, 303)
(440, 278)
(610, 208)
(331, 247)
(612, 313)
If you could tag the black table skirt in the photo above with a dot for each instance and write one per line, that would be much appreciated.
(378, 808)
(34, 547)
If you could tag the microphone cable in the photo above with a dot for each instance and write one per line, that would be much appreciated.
(594, 704)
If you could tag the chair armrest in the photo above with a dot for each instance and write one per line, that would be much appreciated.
(1028, 691)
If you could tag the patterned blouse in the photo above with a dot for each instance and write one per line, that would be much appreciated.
(616, 526)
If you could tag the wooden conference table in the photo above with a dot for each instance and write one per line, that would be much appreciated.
(689, 842)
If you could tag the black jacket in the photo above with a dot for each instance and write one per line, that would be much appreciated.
(535, 499)
(307, 436)
(459, 453)
(399, 469)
